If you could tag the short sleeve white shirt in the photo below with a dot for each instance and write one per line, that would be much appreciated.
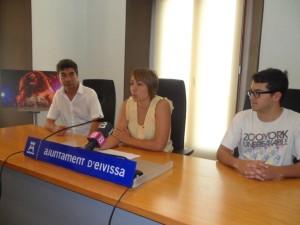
(84, 107)
(274, 142)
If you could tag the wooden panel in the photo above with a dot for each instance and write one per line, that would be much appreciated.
(15, 50)
(253, 14)
(137, 37)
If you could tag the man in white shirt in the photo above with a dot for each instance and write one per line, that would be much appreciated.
(73, 103)
(268, 135)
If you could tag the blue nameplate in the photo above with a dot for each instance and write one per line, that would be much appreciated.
(107, 167)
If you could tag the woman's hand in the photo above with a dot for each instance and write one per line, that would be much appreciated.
(122, 135)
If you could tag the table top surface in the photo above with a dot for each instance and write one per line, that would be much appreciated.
(194, 191)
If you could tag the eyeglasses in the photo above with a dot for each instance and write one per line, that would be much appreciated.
(257, 94)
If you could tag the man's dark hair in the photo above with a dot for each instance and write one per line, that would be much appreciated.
(66, 63)
(276, 80)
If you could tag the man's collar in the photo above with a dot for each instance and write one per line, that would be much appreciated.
(80, 88)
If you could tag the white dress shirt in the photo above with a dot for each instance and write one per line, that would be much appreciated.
(84, 107)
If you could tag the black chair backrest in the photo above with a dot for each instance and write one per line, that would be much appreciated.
(106, 92)
(290, 101)
(174, 90)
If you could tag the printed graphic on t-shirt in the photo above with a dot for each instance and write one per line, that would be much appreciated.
(270, 147)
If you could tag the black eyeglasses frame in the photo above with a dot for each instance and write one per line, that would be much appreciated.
(257, 94)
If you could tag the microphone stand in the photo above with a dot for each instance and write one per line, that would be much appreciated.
(66, 128)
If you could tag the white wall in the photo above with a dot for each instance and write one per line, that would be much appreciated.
(106, 43)
(280, 45)
(91, 32)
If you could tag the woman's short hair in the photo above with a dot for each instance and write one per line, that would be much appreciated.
(149, 77)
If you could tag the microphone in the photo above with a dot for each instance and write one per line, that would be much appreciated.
(77, 125)
(98, 138)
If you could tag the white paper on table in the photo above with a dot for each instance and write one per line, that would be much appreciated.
(118, 153)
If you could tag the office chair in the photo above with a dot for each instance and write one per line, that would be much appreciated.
(290, 101)
(105, 90)
(174, 90)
